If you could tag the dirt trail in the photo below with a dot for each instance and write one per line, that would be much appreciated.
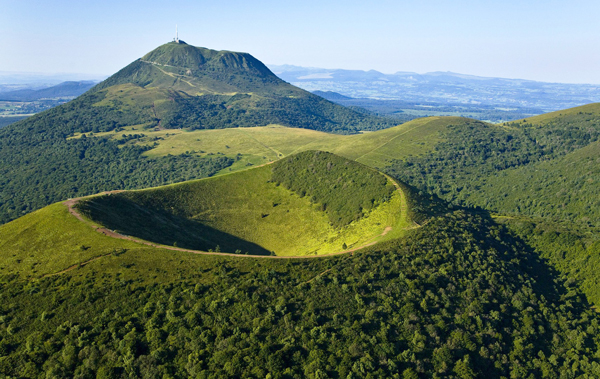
(75, 266)
(171, 74)
(70, 204)
(321, 274)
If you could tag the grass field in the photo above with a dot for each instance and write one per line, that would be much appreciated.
(242, 211)
(49, 240)
(260, 145)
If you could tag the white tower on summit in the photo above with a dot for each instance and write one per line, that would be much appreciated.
(176, 39)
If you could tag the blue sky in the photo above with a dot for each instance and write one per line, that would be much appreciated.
(548, 40)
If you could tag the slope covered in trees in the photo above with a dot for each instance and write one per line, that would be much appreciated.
(544, 168)
(459, 298)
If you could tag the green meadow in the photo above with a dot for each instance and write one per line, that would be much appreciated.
(263, 144)
(50, 240)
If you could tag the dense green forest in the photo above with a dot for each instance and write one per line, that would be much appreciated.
(311, 112)
(458, 298)
(575, 252)
(545, 168)
(348, 190)
(39, 165)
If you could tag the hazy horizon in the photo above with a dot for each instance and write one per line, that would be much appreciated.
(549, 42)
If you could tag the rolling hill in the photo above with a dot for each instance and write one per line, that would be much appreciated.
(538, 175)
(542, 166)
(260, 145)
(442, 88)
(70, 89)
(312, 203)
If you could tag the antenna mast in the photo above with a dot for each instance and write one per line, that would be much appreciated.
(176, 39)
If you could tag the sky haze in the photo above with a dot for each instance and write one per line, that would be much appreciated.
(553, 41)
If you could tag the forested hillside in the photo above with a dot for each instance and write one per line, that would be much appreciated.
(543, 167)
(39, 165)
(458, 298)
(541, 172)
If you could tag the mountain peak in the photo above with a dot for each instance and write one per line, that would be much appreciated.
(191, 69)
(181, 55)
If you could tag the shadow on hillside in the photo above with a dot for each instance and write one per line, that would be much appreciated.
(547, 280)
(159, 226)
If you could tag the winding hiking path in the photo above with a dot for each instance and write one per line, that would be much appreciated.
(75, 266)
(70, 204)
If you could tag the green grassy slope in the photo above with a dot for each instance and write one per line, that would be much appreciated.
(50, 240)
(259, 145)
(248, 212)
(197, 70)
(346, 190)
(574, 116)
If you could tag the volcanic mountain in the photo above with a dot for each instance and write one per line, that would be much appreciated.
(181, 86)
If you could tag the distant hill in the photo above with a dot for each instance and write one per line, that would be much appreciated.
(330, 95)
(13, 80)
(62, 90)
